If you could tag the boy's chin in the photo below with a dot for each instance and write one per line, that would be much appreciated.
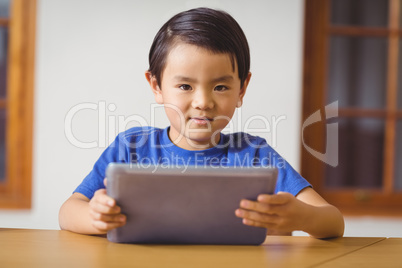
(202, 140)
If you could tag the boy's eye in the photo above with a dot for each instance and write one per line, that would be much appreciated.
(185, 87)
(220, 88)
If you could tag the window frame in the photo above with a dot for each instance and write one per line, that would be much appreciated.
(16, 189)
(385, 201)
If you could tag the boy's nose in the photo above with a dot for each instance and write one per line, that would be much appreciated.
(203, 101)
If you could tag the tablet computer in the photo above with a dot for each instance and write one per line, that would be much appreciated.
(186, 205)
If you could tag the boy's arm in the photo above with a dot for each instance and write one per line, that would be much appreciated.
(74, 215)
(324, 220)
(283, 212)
(96, 216)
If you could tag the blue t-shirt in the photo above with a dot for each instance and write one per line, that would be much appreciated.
(152, 146)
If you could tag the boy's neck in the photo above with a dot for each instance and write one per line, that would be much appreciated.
(186, 143)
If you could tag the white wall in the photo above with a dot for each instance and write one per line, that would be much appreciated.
(93, 51)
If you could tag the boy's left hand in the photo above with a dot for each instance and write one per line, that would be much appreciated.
(280, 212)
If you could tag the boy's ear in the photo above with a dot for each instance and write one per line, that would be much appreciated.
(154, 86)
(243, 90)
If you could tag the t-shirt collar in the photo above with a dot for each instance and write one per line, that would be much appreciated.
(169, 146)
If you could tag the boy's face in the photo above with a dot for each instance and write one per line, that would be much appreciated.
(200, 92)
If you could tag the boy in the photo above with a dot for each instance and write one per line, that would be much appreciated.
(199, 70)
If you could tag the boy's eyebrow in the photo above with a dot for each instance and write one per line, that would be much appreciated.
(225, 78)
(184, 78)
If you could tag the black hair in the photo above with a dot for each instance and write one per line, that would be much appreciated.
(214, 30)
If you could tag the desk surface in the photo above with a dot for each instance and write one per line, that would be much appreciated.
(385, 253)
(52, 248)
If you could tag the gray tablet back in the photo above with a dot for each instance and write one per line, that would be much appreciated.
(186, 206)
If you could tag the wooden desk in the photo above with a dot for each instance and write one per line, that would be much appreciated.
(52, 248)
(385, 253)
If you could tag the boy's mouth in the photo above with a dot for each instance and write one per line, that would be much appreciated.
(201, 120)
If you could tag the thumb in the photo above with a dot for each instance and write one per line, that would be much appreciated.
(105, 182)
(285, 196)
(277, 199)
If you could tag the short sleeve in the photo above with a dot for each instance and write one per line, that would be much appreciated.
(289, 180)
(116, 152)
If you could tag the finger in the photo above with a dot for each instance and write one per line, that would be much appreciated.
(107, 217)
(256, 216)
(101, 197)
(104, 209)
(259, 206)
(259, 224)
(101, 203)
(105, 182)
(275, 199)
(106, 226)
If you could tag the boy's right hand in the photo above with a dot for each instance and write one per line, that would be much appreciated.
(104, 213)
